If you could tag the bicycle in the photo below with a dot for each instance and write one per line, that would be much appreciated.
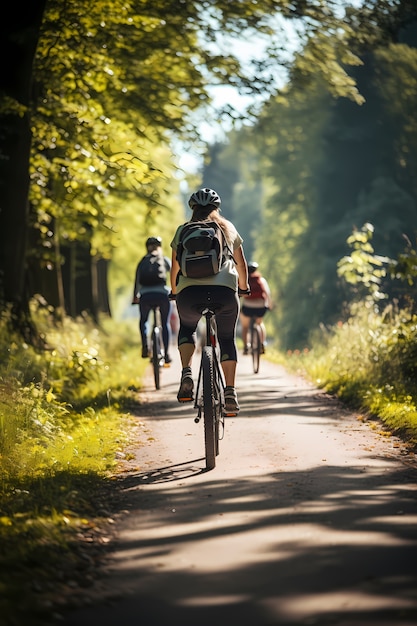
(255, 335)
(209, 397)
(209, 400)
(156, 346)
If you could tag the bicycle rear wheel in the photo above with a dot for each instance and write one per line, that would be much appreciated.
(255, 346)
(209, 408)
(156, 357)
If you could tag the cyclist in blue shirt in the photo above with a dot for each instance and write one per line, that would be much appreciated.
(150, 291)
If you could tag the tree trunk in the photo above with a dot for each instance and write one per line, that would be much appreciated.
(100, 285)
(19, 33)
(77, 277)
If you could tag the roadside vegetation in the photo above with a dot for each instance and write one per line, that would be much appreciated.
(369, 360)
(64, 425)
(370, 363)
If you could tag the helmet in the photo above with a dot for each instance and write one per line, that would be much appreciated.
(153, 241)
(252, 267)
(205, 197)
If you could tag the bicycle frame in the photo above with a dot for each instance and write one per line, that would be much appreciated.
(210, 391)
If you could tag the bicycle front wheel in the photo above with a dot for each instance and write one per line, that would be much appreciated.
(208, 407)
(156, 357)
(256, 347)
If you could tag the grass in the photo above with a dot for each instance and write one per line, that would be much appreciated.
(64, 422)
(370, 363)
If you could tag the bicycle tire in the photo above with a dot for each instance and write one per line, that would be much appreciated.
(209, 407)
(218, 404)
(156, 357)
(255, 347)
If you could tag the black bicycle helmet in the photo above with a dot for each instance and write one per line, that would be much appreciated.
(252, 267)
(204, 197)
(153, 241)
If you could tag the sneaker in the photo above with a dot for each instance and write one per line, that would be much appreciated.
(145, 353)
(231, 405)
(168, 359)
(185, 393)
(262, 348)
(246, 349)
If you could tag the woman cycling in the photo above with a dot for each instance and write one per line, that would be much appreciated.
(220, 288)
(256, 304)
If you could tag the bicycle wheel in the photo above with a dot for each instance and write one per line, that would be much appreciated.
(255, 346)
(208, 407)
(218, 403)
(156, 357)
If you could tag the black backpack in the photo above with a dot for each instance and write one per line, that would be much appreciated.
(202, 249)
(152, 270)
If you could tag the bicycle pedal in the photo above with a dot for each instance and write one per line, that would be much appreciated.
(167, 365)
(229, 414)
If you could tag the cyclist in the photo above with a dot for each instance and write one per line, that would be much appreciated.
(151, 290)
(256, 304)
(221, 287)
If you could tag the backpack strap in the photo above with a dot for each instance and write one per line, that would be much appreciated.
(226, 245)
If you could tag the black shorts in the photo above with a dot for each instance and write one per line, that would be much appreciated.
(226, 317)
(250, 312)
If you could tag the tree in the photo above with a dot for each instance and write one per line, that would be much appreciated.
(331, 159)
(18, 41)
(111, 79)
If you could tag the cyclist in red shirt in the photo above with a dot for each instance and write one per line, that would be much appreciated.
(256, 304)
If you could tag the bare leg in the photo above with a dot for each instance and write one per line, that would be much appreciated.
(263, 329)
(229, 370)
(185, 393)
(186, 351)
(231, 404)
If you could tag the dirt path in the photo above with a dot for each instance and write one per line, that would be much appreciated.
(310, 517)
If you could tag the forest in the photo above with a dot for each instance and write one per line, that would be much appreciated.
(96, 101)
(315, 168)
(99, 104)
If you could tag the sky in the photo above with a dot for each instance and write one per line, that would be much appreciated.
(190, 161)
(245, 49)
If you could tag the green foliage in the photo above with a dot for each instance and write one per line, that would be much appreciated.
(291, 127)
(405, 267)
(326, 57)
(369, 362)
(102, 110)
(104, 116)
(49, 391)
(363, 268)
(40, 393)
(324, 166)
(64, 423)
